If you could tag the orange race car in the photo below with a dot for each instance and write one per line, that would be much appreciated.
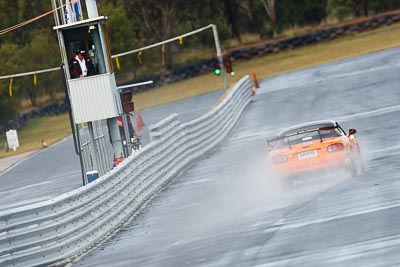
(315, 146)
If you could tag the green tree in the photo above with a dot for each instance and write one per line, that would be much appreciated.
(32, 9)
(156, 21)
(377, 6)
(231, 12)
(9, 17)
(122, 36)
(10, 104)
(269, 6)
(291, 13)
(41, 53)
(341, 9)
(360, 7)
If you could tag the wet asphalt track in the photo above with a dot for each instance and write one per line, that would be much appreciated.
(56, 170)
(229, 209)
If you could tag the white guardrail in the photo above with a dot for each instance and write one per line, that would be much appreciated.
(62, 228)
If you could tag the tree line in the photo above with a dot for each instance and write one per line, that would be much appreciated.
(133, 24)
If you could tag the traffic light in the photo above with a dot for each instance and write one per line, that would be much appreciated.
(216, 67)
(127, 103)
(228, 65)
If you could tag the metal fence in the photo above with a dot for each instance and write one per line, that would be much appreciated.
(60, 229)
(100, 146)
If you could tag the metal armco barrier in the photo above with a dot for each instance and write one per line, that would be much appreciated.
(64, 227)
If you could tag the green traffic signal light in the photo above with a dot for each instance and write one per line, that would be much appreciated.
(216, 68)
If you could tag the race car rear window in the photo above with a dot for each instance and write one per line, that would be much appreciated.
(308, 137)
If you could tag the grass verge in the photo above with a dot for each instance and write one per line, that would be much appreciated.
(49, 129)
(53, 129)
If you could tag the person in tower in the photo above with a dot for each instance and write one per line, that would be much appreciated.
(81, 65)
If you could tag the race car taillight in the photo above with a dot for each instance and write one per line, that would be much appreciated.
(335, 147)
(279, 159)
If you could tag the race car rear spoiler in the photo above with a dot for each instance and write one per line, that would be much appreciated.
(271, 141)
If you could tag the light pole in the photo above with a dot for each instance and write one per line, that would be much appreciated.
(219, 55)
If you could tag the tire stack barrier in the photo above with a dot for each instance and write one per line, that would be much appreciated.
(60, 229)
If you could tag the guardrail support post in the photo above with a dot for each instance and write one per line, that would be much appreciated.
(94, 147)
